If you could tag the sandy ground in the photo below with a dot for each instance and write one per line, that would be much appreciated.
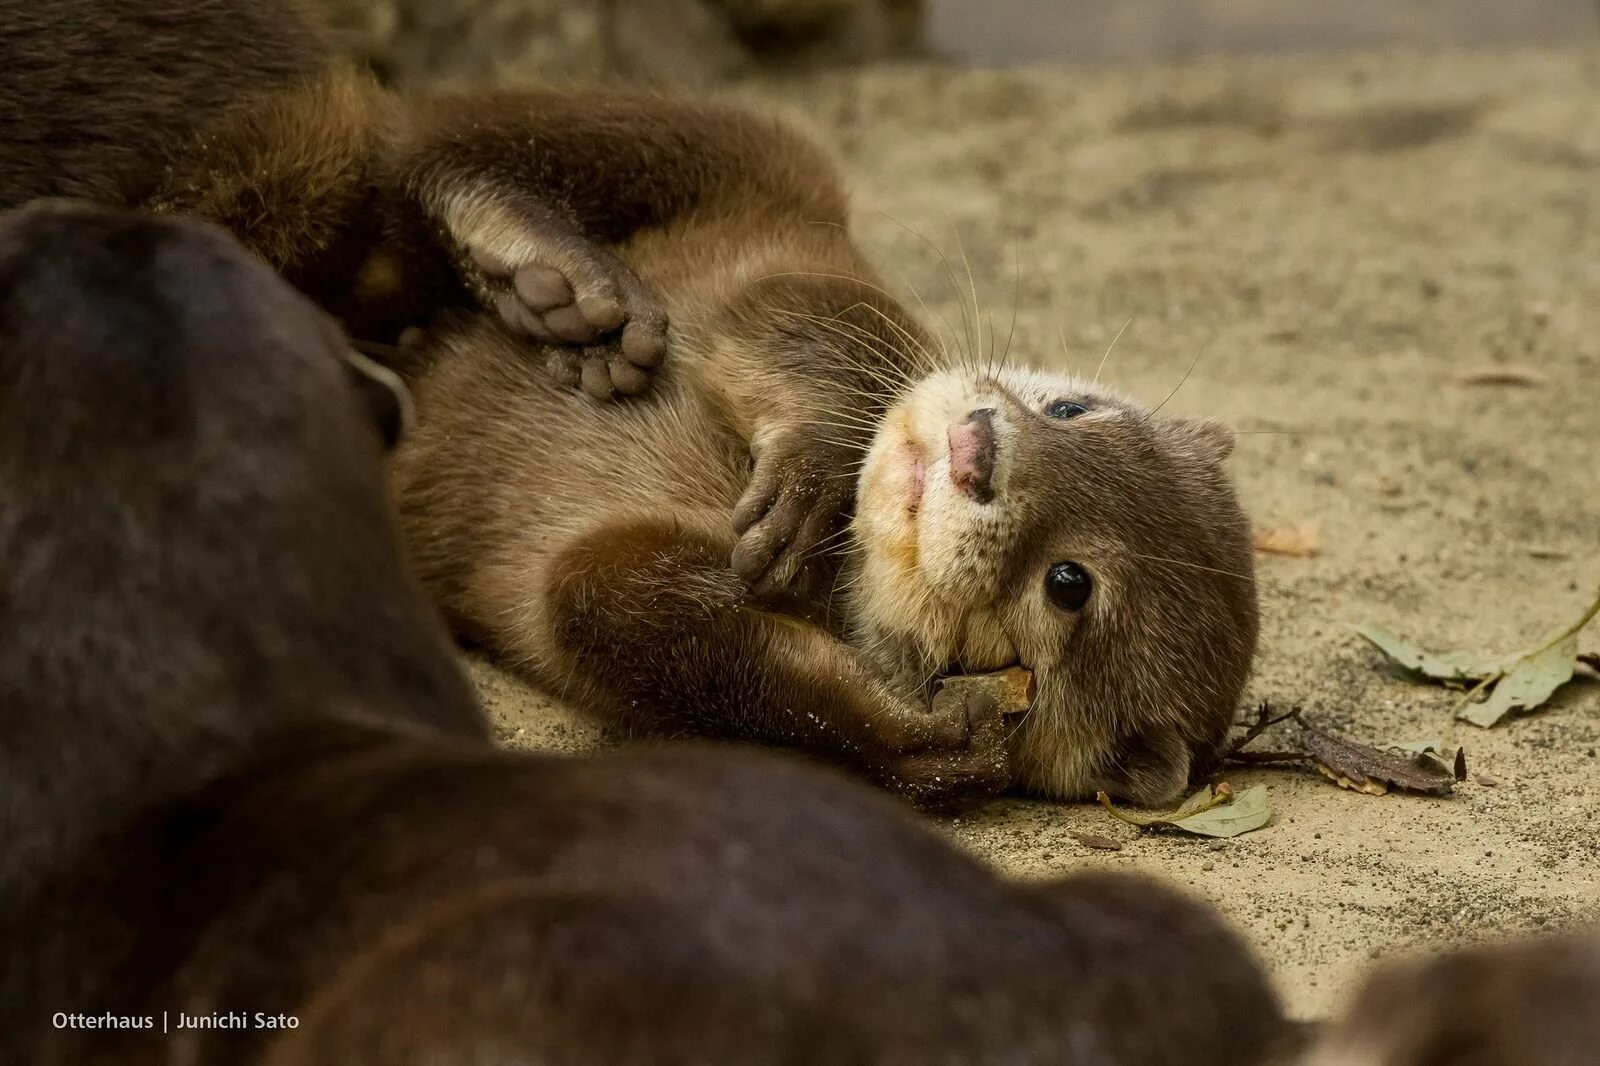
(1343, 237)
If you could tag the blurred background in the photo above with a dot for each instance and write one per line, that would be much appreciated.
(696, 42)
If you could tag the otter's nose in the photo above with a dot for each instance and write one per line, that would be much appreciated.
(972, 454)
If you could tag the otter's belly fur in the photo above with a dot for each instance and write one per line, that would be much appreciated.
(512, 467)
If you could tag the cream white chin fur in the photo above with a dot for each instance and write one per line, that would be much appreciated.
(929, 560)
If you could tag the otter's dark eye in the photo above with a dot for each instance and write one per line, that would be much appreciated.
(1064, 409)
(1068, 585)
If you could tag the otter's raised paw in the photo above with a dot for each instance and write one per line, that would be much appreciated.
(976, 767)
(800, 494)
(568, 290)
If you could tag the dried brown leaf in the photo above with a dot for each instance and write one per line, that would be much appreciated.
(1515, 376)
(1212, 813)
(1363, 768)
(1300, 541)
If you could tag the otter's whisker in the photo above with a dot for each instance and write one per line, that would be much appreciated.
(1066, 353)
(1195, 566)
(950, 274)
(1107, 354)
(928, 364)
(966, 263)
(851, 331)
(1016, 299)
(1186, 373)
(856, 334)
(928, 313)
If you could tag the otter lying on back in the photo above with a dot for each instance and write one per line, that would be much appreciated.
(241, 770)
(1000, 515)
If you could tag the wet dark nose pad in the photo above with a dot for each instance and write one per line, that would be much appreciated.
(972, 448)
(384, 396)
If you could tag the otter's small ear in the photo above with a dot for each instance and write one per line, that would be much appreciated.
(1209, 438)
(383, 394)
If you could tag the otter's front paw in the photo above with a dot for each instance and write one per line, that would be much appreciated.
(967, 761)
(799, 497)
(561, 288)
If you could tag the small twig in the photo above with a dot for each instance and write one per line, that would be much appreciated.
(1265, 720)
(1251, 758)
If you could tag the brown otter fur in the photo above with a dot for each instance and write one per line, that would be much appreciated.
(1528, 1003)
(234, 111)
(590, 546)
(249, 778)
(553, 207)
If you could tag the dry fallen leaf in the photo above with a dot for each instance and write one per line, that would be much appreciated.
(1526, 684)
(1096, 841)
(1364, 768)
(1218, 813)
(1454, 669)
(1516, 376)
(1435, 754)
(1499, 684)
(1300, 541)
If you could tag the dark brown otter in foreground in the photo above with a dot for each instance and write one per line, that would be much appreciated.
(241, 773)
(1528, 1003)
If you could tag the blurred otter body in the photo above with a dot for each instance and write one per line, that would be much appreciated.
(250, 778)
(1525, 1003)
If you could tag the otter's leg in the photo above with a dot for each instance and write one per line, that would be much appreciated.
(645, 625)
(302, 176)
(531, 187)
(289, 174)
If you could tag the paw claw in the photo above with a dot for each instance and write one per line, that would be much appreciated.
(521, 319)
(596, 378)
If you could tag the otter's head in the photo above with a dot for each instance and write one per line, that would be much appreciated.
(1025, 517)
